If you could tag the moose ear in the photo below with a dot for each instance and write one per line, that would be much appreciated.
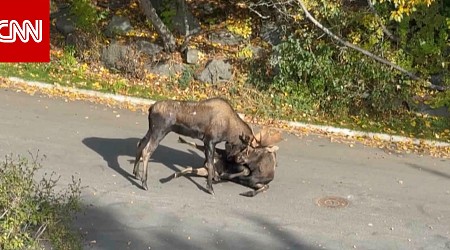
(272, 149)
(245, 139)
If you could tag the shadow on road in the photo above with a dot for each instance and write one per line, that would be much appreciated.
(279, 235)
(428, 170)
(106, 228)
(101, 230)
(112, 148)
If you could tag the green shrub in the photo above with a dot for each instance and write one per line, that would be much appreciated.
(425, 36)
(442, 99)
(168, 14)
(32, 211)
(314, 75)
(86, 14)
(187, 76)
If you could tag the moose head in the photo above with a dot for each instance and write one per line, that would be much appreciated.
(266, 138)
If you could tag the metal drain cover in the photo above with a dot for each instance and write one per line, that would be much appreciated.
(332, 202)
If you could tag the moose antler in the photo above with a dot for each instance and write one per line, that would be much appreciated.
(266, 138)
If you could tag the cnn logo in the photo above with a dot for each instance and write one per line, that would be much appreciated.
(22, 31)
(25, 32)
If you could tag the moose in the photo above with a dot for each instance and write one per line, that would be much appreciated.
(256, 170)
(211, 120)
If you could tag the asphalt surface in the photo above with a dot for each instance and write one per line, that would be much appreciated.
(395, 201)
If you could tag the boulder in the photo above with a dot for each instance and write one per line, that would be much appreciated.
(118, 26)
(224, 37)
(271, 33)
(65, 21)
(165, 69)
(215, 71)
(191, 55)
(119, 57)
(148, 48)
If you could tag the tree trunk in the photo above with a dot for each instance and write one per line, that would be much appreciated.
(161, 28)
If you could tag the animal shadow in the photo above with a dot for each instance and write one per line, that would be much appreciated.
(112, 148)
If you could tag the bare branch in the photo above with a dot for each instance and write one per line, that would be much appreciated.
(438, 87)
(40, 231)
(385, 30)
(350, 45)
(4, 213)
(279, 6)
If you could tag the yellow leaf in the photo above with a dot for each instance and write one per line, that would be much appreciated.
(96, 85)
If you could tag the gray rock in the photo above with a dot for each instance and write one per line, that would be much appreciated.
(65, 21)
(437, 79)
(148, 48)
(191, 56)
(208, 8)
(116, 4)
(71, 39)
(257, 52)
(165, 69)
(117, 26)
(225, 37)
(119, 57)
(60, 9)
(271, 33)
(215, 71)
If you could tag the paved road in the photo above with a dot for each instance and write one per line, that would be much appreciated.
(396, 201)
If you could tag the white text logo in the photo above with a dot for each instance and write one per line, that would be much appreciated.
(23, 32)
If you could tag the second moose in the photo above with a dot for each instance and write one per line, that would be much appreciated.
(212, 121)
(254, 170)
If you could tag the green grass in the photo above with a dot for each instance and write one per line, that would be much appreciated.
(70, 75)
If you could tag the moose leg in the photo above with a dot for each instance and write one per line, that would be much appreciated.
(209, 164)
(155, 135)
(140, 147)
(197, 171)
(193, 144)
(257, 183)
(146, 154)
(228, 176)
(259, 188)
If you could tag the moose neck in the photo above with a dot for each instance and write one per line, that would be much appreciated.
(241, 129)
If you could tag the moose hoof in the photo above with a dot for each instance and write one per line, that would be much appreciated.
(210, 190)
(144, 186)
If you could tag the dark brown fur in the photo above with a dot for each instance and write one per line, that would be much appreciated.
(257, 170)
(212, 121)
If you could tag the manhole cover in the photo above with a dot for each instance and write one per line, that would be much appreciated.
(332, 202)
